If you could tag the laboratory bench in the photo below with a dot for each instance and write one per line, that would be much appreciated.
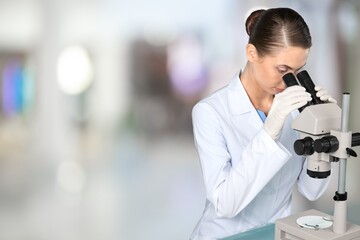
(267, 232)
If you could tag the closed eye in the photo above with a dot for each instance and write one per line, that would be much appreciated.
(283, 70)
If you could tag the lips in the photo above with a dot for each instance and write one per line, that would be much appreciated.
(279, 90)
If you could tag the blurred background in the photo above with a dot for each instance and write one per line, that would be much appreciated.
(96, 95)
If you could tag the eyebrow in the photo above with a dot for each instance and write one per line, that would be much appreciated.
(284, 65)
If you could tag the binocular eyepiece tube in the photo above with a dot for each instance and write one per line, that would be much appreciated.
(305, 81)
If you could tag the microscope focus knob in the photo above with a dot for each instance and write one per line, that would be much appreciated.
(304, 146)
(326, 144)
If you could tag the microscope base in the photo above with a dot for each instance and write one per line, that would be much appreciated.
(288, 229)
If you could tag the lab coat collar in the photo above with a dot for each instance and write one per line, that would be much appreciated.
(238, 100)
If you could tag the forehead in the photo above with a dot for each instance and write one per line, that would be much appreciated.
(293, 57)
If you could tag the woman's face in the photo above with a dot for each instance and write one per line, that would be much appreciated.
(269, 69)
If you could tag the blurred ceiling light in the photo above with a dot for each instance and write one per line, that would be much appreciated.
(71, 177)
(74, 70)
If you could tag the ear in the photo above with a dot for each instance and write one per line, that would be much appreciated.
(251, 53)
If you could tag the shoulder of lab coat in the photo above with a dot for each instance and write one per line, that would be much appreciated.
(238, 158)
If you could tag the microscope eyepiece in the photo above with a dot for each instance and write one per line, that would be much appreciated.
(305, 81)
(290, 80)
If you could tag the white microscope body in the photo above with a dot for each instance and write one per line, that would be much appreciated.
(324, 138)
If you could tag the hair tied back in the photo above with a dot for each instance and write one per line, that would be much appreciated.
(252, 19)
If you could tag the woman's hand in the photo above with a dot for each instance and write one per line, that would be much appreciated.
(324, 95)
(284, 103)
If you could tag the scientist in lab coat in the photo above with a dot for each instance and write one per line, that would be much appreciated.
(243, 131)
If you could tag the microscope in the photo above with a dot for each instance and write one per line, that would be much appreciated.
(324, 139)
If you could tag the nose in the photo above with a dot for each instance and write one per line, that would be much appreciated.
(282, 85)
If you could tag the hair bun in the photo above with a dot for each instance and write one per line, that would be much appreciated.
(252, 19)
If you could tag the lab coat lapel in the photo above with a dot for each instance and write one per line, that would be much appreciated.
(241, 109)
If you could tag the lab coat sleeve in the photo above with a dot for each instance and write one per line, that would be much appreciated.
(232, 187)
(311, 188)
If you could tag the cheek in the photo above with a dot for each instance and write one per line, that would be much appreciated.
(268, 77)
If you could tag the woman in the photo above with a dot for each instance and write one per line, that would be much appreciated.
(243, 131)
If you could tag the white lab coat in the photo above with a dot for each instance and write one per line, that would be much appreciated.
(248, 176)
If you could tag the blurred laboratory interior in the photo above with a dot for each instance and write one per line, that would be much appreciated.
(96, 97)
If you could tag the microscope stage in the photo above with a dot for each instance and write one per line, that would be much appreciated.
(288, 229)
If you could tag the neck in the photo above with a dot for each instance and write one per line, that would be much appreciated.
(260, 99)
